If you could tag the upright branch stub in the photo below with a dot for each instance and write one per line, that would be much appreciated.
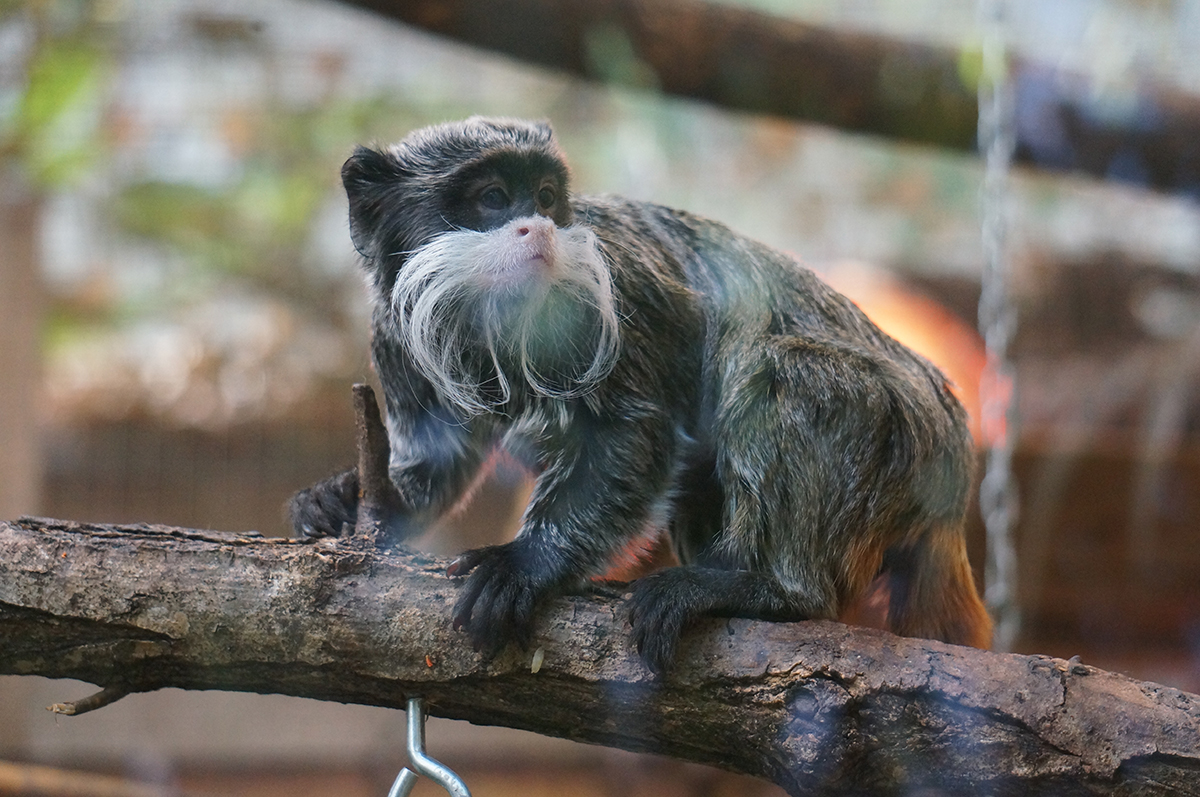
(377, 496)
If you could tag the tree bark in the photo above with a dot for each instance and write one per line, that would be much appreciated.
(746, 60)
(817, 707)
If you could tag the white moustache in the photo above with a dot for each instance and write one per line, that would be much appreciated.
(512, 289)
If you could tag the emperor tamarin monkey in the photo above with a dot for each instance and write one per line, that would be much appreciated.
(656, 371)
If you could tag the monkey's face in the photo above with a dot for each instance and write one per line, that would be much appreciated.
(467, 236)
(474, 175)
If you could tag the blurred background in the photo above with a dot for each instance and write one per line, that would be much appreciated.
(181, 317)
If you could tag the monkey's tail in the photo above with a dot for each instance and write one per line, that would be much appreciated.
(932, 591)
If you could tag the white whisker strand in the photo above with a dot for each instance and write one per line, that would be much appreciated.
(502, 383)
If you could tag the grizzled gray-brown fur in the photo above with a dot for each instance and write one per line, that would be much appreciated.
(658, 372)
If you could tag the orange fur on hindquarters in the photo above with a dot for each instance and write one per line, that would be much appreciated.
(934, 596)
(870, 609)
(926, 591)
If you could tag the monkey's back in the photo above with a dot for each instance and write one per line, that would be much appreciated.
(740, 285)
(738, 290)
(823, 433)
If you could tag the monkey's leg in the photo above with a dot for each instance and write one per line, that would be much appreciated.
(826, 454)
(876, 451)
(601, 479)
(665, 603)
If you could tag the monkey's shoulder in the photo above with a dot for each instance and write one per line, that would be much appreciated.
(647, 221)
(631, 225)
(727, 270)
(735, 282)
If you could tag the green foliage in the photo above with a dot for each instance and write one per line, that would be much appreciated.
(252, 228)
(970, 63)
(56, 128)
(256, 228)
(193, 219)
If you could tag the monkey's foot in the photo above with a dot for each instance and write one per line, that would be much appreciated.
(662, 606)
(665, 603)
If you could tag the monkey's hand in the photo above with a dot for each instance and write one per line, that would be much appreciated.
(330, 509)
(498, 601)
(327, 509)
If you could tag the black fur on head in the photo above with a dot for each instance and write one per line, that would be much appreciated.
(403, 196)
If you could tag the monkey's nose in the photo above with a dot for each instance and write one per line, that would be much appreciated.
(538, 225)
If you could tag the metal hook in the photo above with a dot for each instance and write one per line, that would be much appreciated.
(403, 784)
(422, 763)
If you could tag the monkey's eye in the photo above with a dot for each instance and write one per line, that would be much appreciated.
(494, 198)
(547, 196)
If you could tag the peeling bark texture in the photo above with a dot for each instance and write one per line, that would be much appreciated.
(745, 60)
(817, 707)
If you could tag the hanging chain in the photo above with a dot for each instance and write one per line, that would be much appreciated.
(997, 322)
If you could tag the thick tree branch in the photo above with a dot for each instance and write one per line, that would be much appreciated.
(807, 705)
(746, 60)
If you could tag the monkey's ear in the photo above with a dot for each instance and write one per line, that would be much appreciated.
(368, 176)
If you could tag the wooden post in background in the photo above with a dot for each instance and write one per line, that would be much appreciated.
(20, 384)
(20, 366)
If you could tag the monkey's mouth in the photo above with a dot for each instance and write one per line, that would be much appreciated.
(526, 276)
(538, 255)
